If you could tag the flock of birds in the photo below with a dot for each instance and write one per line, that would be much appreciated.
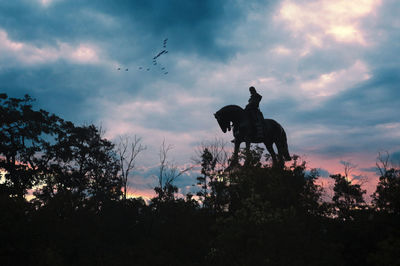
(154, 62)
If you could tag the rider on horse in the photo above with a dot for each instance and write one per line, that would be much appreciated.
(255, 115)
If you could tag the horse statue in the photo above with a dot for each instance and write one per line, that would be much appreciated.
(233, 115)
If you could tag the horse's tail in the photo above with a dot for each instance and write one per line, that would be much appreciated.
(284, 146)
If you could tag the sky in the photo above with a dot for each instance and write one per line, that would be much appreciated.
(328, 72)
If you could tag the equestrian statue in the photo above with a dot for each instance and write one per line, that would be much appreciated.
(249, 126)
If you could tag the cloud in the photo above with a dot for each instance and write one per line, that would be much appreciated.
(321, 21)
(328, 84)
(20, 53)
(47, 3)
(281, 50)
(395, 156)
(135, 26)
(372, 169)
(323, 172)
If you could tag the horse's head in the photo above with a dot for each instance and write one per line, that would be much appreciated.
(224, 124)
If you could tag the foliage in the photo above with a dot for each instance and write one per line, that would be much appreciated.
(213, 183)
(81, 166)
(347, 196)
(24, 134)
(387, 194)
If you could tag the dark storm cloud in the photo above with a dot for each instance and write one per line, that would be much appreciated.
(128, 33)
(61, 88)
(274, 108)
(191, 26)
(366, 104)
(325, 60)
(356, 118)
(395, 157)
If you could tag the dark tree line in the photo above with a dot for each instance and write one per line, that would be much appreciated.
(254, 214)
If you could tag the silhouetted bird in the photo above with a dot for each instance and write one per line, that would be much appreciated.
(126, 69)
(160, 53)
(119, 68)
(154, 61)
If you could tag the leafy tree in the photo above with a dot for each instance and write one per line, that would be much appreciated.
(252, 157)
(273, 219)
(387, 194)
(24, 133)
(348, 197)
(207, 166)
(83, 166)
(213, 183)
(213, 158)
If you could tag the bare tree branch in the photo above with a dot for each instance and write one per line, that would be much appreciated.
(383, 163)
(348, 168)
(218, 150)
(168, 171)
(128, 150)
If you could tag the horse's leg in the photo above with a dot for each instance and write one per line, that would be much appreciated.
(235, 157)
(285, 151)
(282, 152)
(281, 161)
(271, 151)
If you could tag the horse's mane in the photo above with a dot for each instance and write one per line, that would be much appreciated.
(230, 108)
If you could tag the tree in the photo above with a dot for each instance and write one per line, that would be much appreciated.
(252, 157)
(387, 194)
(347, 197)
(83, 166)
(128, 150)
(207, 165)
(272, 218)
(217, 149)
(213, 158)
(212, 183)
(348, 167)
(24, 134)
(168, 173)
